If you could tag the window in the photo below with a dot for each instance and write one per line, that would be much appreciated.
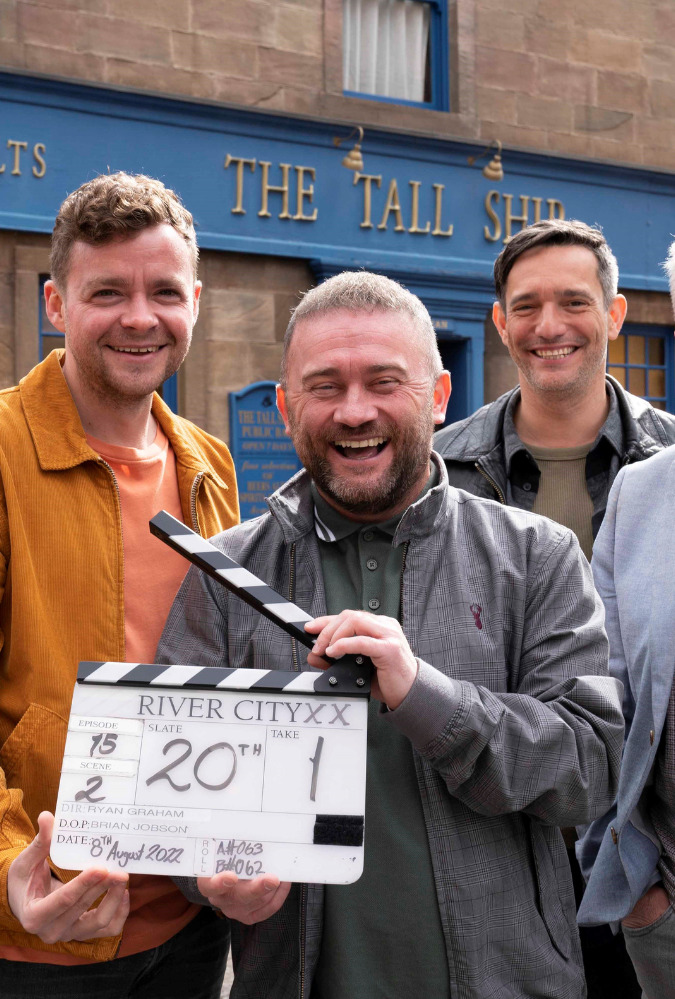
(50, 338)
(397, 51)
(641, 359)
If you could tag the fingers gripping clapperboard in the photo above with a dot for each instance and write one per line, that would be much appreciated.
(190, 771)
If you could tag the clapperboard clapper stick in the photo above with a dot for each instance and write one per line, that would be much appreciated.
(189, 770)
(348, 675)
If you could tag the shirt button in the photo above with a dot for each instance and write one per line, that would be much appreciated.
(368, 535)
(372, 563)
(373, 603)
(527, 486)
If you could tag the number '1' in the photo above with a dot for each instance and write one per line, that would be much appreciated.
(315, 760)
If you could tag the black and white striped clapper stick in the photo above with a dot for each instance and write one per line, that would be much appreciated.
(350, 674)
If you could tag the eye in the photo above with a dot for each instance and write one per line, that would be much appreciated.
(386, 383)
(169, 293)
(106, 293)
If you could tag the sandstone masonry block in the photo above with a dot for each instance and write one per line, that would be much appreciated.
(299, 30)
(12, 54)
(163, 13)
(505, 70)
(203, 54)
(570, 145)
(548, 38)
(60, 62)
(291, 68)
(605, 49)
(254, 20)
(496, 105)
(658, 62)
(63, 26)
(166, 79)
(124, 38)
(500, 29)
(566, 81)
(516, 135)
(661, 99)
(623, 91)
(239, 315)
(544, 112)
(620, 152)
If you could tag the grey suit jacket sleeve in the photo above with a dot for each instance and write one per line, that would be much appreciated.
(591, 836)
(551, 747)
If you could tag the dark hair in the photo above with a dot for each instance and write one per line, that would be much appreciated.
(559, 232)
(116, 204)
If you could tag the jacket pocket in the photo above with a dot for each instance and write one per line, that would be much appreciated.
(549, 891)
(31, 758)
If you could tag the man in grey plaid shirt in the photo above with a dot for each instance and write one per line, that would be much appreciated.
(494, 720)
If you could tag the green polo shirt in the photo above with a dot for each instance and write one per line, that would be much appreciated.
(382, 936)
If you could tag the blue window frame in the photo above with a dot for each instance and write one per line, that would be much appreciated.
(642, 359)
(50, 338)
(437, 75)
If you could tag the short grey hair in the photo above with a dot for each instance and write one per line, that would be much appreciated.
(669, 268)
(363, 291)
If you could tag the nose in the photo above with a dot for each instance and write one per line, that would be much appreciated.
(551, 321)
(355, 407)
(139, 314)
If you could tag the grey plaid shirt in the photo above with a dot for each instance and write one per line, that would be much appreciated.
(514, 725)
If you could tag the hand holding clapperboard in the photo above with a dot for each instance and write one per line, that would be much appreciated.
(190, 771)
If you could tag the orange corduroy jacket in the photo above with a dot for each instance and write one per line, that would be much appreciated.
(62, 589)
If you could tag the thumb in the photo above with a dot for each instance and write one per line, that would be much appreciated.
(38, 851)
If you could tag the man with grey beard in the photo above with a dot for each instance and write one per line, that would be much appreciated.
(493, 720)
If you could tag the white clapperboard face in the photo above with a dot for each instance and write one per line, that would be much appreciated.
(184, 770)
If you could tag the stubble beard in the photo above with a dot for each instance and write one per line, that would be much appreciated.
(412, 448)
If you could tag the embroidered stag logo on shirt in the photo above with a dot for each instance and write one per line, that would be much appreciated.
(477, 610)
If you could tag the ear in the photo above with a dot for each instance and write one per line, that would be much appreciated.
(616, 316)
(499, 319)
(55, 306)
(281, 406)
(196, 295)
(442, 390)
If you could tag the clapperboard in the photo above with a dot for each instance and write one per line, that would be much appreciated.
(186, 770)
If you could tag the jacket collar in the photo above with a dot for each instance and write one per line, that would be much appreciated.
(292, 506)
(481, 436)
(56, 428)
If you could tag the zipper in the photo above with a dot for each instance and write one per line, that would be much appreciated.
(291, 597)
(119, 515)
(492, 482)
(193, 501)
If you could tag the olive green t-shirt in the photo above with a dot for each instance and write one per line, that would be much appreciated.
(382, 935)
(563, 493)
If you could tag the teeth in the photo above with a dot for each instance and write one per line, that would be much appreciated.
(371, 442)
(560, 352)
(136, 350)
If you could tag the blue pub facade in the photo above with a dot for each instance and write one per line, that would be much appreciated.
(268, 186)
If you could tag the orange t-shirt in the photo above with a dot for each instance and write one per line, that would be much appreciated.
(147, 483)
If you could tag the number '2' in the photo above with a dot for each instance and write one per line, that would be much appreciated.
(163, 774)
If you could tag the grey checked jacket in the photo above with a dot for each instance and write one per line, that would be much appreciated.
(514, 725)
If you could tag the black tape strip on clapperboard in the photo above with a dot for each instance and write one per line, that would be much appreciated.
(348, 676)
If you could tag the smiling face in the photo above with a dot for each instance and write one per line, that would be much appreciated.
(556, 325)
(127, 310)
(360, 406)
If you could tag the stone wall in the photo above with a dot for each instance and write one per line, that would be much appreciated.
(589, 78)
